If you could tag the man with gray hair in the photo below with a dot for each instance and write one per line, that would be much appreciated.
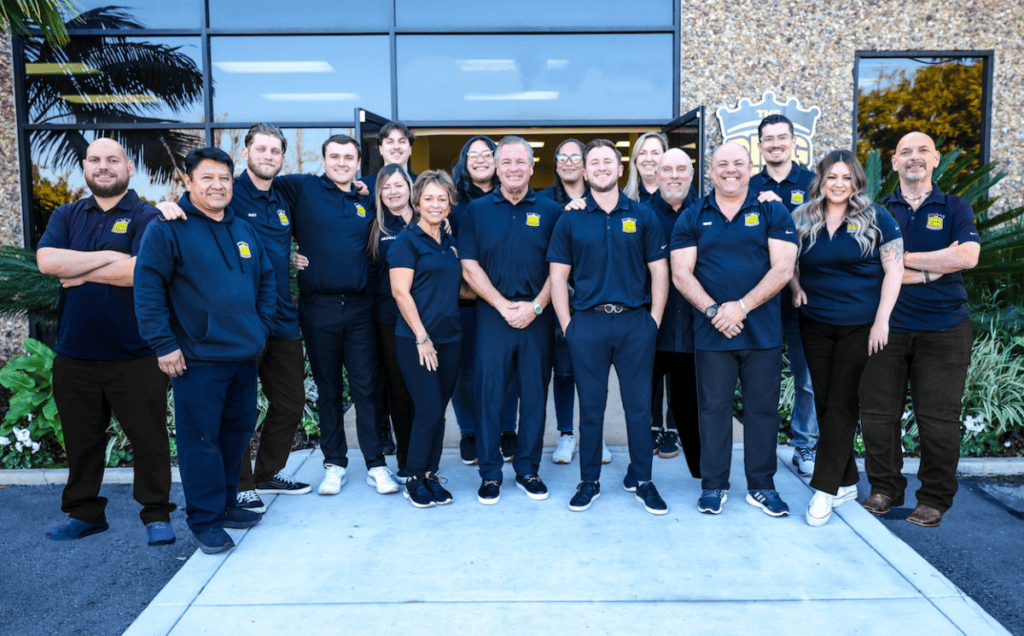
(503, 239)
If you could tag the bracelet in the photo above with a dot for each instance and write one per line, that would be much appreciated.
(926, 281)
(425, 340)
(743, 307)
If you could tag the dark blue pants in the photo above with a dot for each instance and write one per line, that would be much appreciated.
(339, 331)
(760, 374)
(464, 400)
(563, 387)
(597, 341)
(214, 417)
(430, 392)
(678, 369)
(521, 357)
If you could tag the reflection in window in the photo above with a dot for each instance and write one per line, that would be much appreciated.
(535, 77)
(942, 97)
(299, 14)
(300, 78)
(302, 154)
(142, 14)
(533, 13)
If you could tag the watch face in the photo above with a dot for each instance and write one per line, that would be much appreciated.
(711, 311)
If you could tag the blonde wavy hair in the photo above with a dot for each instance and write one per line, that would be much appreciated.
(633, 183)
(860, 211)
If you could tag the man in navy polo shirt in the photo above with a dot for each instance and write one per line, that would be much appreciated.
(731, 254)
(103, 365)
(206, 300)
(335, 310)
(394, 141)
(930, 341)
(503, 240)
(785, 179)
(610, 248)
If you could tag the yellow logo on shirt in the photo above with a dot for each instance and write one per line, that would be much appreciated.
(456, 251)
(629, 225)
(533, 220)
(361, 211)
(120, 226)
(935, 221)
(284, 217)
(752, 220)
(243, 249)
(796, 197)
(851, 227)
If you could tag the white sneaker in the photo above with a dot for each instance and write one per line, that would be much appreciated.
(333, 480)
(563, 452)
(380, 478)
(819, 509)
(845, 493)
(606, 455)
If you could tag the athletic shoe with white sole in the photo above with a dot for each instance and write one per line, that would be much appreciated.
(282, 484)
(844, 494)
(711, 501)
(768, 501)
(803, 459)
(380, 478)
(819, 509)
(565, 449)
(532, 486)
(334, 479)
(606, 455)
(585, 495)
(249, 500)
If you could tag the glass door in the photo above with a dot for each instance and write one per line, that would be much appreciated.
(687, 132)
(367, 125)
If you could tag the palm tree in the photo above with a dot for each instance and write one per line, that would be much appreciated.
(20, 15)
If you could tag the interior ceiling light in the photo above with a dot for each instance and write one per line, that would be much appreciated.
(512, 97)
(60, 68)
(536, 144)
(112, 99)
(622, 144)
(310, 97)
(274, 67)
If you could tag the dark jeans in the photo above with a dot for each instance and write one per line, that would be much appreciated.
(463, 399)
(760, 374)
(86, 393)
(682, 401)
(400, 402)
(214, 417)
(281, 370)
(836, 356)
(935, 363)
(431, 391)
(340, 332)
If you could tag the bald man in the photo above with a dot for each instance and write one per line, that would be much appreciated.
(103, 365)
(731, 254)
(930, 341)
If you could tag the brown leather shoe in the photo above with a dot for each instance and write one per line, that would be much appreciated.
(925, 516)
(878, 503)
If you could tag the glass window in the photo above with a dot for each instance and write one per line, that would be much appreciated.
(300, 78)
(533, 13)
(943, 97)
(111, 79)
(142, 14)
(299, 14)
(301, 154)
(535, 77)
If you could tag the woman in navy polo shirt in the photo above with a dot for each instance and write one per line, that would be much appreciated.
(425, 279)
(848, 277)
(642, 183)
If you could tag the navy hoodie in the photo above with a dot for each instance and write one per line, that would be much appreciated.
(205, 287)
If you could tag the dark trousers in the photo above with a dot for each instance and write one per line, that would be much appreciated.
(214, 417)
(760, 374)
(935, 363)
(597, 341)
(464, 399)
(506, 355)
(563, 387)
(836, 356)
(431, 391)
(281, 370)
(86, 393)
(339, 331)
(400, 401)
(682, 401)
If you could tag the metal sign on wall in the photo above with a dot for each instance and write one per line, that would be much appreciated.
(739, 125)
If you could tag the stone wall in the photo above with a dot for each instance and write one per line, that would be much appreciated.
(12, 331)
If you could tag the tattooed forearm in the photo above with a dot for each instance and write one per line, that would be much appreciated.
(892, 251)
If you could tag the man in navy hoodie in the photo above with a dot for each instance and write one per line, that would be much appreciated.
(205, 298)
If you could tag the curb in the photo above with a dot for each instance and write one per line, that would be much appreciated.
(967, 467)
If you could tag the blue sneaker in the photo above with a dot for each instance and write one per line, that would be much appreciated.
(769, 501)
(585, 495)
(648, 495)
(160, 533)
(240, 518)
(75, 529)
(214, 541)
(711, 501)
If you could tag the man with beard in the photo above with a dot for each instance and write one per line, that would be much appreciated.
(103, 365)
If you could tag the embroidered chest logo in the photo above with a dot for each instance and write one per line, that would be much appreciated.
(797, 197)
(629, 225)
(120, 226)
(283, 217)
(533, 219)
(243, 249)
(935, 221)
(360, 211)
(752, 220)
(851, 227)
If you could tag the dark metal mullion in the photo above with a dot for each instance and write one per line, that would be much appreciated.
(989, 59)
(107, 33)
(393, 42)
(858, 56)
(24, 144)
(207, 75)
(676, 52)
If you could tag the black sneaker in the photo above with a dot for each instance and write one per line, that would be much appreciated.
(417, 494)
(648, 495)
(768, 501)
(711, 501)
(240, 518)
(214, 541)
(532, 486)
(467, 448)
(249, 500)
(509, 439)
(656, 440)
(669, 447)
(489, 493)
(387, 443)
(585, 495)
(282, 484)
(433, 484)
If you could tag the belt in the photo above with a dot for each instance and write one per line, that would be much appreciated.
(610, 308)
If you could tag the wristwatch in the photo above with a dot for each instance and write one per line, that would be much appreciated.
(537, 309)
(711, 311)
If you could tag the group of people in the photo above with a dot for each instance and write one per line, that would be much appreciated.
(424, 289)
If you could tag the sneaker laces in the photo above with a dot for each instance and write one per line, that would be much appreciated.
(247, 496)
(281, 477)
(437, 478)
(491, 481)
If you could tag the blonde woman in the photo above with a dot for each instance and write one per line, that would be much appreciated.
(642, 183)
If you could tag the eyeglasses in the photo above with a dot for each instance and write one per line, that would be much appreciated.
(473, 155)
(573, 158)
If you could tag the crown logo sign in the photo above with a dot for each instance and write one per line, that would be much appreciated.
(739, 125)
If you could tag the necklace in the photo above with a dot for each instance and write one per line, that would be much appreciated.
(915, 200)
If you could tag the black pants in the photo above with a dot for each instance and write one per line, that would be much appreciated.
(400, 401)
(431, 391)
(281, 370)
(682, 402)
(86, 393)
(935, 363)
(836, 356)
(339, 332)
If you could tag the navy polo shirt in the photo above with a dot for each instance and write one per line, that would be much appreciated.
(332, 231)
(559, 196)
(436, 277)
(270, 215)
(97, 321)
(387, 309)
(510, 241)
(843, 286)
(941, 219)
(676, 331)
(609, 252)
(472, 193)
(732, 258)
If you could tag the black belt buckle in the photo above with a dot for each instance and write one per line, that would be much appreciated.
(610, 308)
